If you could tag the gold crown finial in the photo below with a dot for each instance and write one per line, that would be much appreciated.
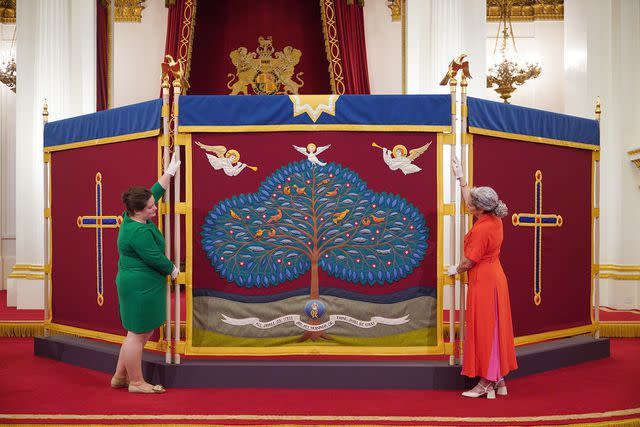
(598, 109)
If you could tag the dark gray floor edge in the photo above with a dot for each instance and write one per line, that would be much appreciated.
(357, 374)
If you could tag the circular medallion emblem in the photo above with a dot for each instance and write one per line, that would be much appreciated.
(314, 309)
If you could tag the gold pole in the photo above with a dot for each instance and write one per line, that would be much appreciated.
(596, 228)
(166, 130)
(46, 223)
(463, 223)
(452, 241)
(177, 85)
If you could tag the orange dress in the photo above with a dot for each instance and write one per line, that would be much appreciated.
(489, 350)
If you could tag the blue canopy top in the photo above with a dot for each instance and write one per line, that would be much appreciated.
(116, 122)
(209, 112)
(507, 118)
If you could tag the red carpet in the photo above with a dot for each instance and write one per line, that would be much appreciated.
(42, 391)
(608, 314)
(12, 314)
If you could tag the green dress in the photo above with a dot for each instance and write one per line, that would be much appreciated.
(142, 271)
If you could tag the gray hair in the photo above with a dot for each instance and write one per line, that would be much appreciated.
(486, 198)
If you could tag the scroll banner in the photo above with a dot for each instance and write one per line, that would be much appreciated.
(296, 319)
(540, 164)
(307, 228)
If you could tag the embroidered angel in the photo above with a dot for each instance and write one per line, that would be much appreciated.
(398, 158)
(227, 160)
(312, 152)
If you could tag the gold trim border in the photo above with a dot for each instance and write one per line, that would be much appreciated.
(530, 138)
(440, 344)
(104, 336)
(311, 128)
(560, 333)
(101, 141)
(329, 418)
(330, 32)
(187, 32)
(438, 349)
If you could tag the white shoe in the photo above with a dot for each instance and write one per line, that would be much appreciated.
(488, 390)
(501, 390)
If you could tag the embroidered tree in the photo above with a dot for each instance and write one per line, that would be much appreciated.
(309, 217)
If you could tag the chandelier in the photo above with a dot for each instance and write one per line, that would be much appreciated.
(8, 68)
(8, 74)
(508, 72)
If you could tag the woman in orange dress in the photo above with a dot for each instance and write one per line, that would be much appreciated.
(489, 351)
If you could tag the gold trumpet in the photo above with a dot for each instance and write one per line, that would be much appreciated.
(253, 168)
(373, 144)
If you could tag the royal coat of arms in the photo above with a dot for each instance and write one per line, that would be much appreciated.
(268, 74)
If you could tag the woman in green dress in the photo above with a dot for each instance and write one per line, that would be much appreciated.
(141, 280)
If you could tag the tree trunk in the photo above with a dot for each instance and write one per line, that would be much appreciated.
(315, 286)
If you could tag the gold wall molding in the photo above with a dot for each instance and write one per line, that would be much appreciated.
(619, 272)
(28, 276)
(7, 11)
(27, 271)
(28, 267)
(527, 10)
(129, 10)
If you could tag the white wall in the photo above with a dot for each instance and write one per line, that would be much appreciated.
(7, 180)
(603, 59)
(7, 162)
(538, 39)
(383, 39)
(138, 53)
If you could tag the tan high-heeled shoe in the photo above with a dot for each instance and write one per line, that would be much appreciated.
(140, 388)
(486, 390)
(121, 382)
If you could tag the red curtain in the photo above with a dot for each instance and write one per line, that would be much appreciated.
(353, 51)
(226, 25)
(174, 24)
(102, 68)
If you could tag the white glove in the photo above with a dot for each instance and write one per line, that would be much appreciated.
(174, 164)
(175, 271)
(456, 167)
(453, 270)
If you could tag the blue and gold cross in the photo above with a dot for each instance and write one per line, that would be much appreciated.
(537, 220)
(99, 221)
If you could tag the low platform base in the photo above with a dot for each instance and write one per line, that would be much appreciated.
(282, 373)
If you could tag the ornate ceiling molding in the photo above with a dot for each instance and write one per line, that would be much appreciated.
(7, 11)
(129, 10)
(527, 10)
